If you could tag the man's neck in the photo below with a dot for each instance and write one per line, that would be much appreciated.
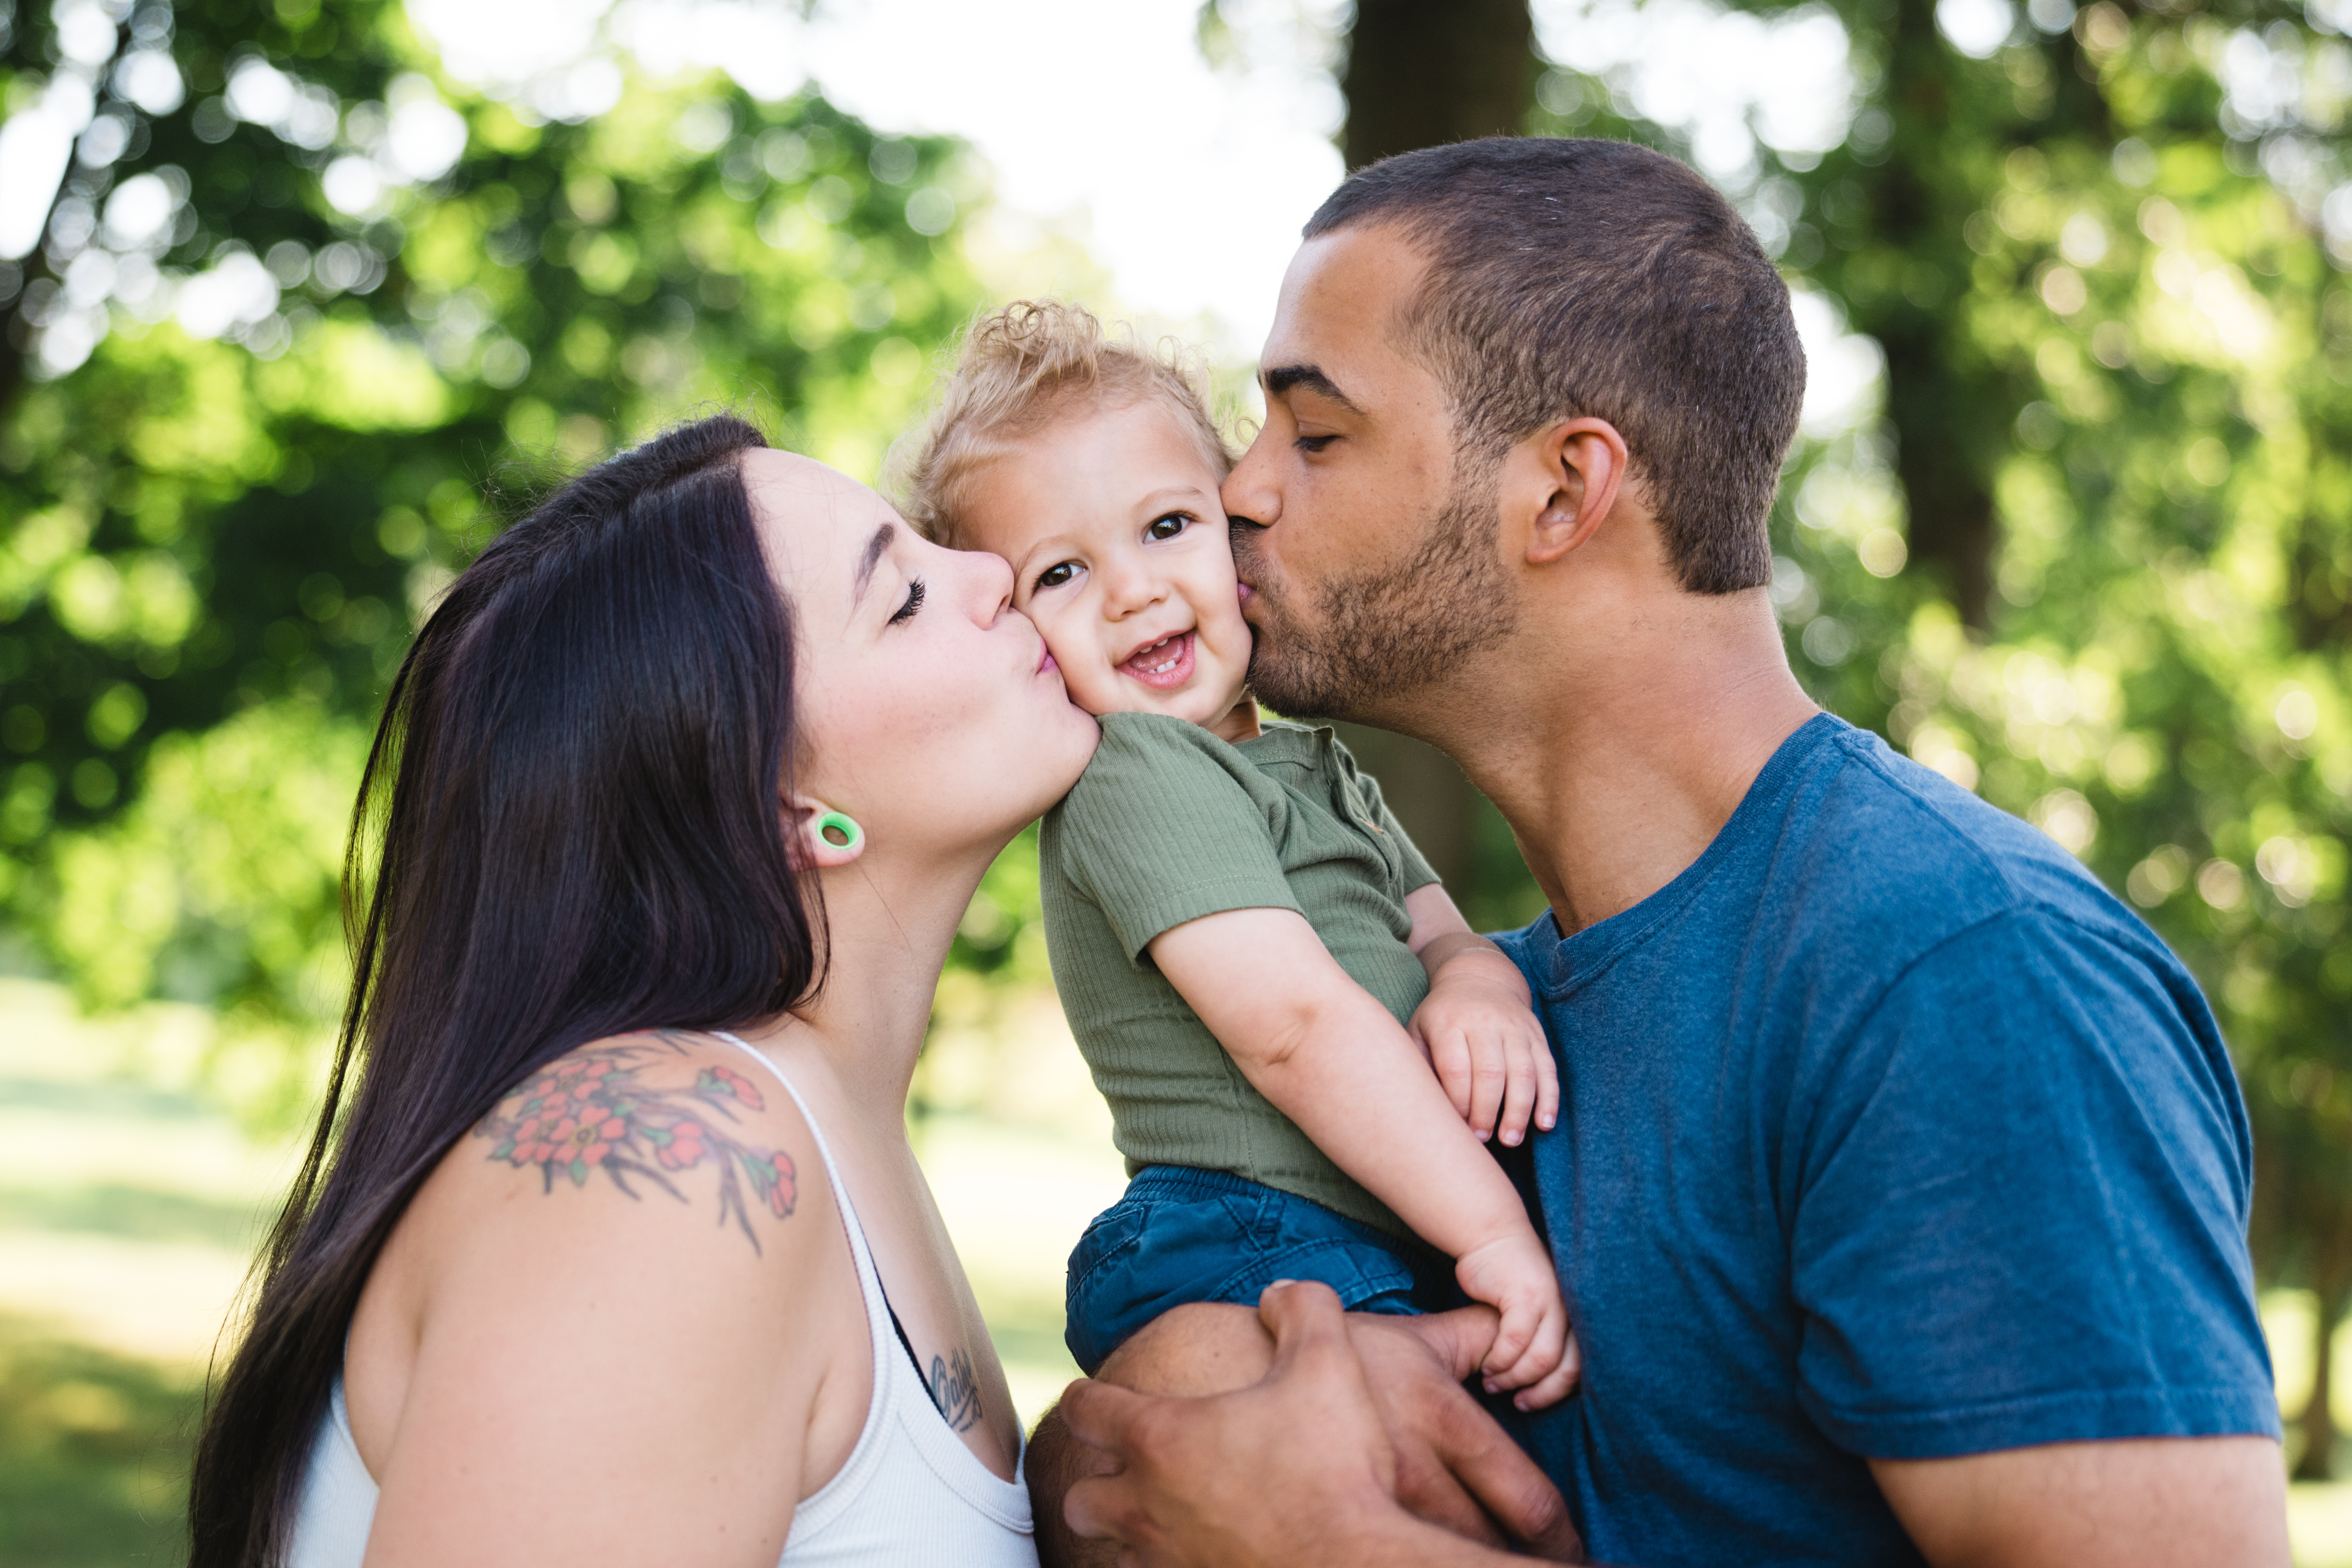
(1617, 740)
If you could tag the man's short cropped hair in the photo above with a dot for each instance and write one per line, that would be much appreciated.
(1574, 277)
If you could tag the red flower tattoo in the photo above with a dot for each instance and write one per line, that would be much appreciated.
(727, 1082)
(590, 1112)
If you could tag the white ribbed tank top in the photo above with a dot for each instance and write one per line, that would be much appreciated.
(910, 1496)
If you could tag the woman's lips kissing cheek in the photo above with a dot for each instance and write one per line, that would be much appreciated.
(1165, 665)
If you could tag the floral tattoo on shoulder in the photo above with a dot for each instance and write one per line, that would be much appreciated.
(592, 1112)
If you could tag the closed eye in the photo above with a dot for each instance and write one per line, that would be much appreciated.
(914, 602)
(1056, 575)
(1314, 442)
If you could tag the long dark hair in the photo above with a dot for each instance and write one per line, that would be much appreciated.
(571, 818)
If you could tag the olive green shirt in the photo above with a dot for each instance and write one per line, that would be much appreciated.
(1170, 823)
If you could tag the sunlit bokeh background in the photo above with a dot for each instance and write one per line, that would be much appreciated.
(302, 299)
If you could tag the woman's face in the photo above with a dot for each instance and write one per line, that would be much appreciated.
(928, 709)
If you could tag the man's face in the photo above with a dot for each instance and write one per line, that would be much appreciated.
(1369, 564)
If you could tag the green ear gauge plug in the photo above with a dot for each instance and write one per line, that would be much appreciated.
(837, 823)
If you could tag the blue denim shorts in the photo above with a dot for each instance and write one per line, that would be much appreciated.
(1181, 1235)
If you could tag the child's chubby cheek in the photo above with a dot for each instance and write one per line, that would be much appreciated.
(1092, 684)
(1087, 673)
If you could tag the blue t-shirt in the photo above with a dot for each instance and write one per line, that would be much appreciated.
(1886, 1132)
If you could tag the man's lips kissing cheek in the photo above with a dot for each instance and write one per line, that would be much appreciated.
(1164, 664)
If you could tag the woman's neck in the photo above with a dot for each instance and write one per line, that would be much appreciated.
(889, 936)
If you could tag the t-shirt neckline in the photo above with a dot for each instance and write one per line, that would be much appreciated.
(1569, 963)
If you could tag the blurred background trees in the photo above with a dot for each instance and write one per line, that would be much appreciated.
(298, 325)
(304, 314)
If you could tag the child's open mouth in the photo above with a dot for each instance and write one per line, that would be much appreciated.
(1166, 664)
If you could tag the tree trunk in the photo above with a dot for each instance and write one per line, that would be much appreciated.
(2333, 1287)
(1954, 414)
(1940, 416)
(1421, 73)
(12, 363)
(1432, 801)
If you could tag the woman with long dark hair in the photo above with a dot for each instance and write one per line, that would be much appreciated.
(610, 1246)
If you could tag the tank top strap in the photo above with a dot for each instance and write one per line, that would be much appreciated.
(902, 1401)
(869, 1277)
(909, 1491)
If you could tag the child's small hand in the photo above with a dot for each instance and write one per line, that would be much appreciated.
(1489, 1050)
(1533, 1351)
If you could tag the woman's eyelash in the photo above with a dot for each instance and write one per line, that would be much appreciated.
(1315, 443)
(914, 601)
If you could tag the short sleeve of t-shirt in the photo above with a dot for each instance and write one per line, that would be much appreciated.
(2022, 1200)
(1162, 829)
(1417, 872)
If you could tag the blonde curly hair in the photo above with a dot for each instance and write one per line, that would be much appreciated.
(1017, 369)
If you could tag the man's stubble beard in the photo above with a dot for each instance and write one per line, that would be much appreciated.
(1388, 631)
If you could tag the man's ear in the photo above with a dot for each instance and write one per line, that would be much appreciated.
(1564, 481)
(811, 833)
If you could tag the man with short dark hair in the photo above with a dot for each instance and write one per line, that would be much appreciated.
(1899, 1192)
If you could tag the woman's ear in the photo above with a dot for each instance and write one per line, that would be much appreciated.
(819, 836)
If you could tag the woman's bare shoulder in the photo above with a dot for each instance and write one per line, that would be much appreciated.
(652, 1206)
(666, 1123)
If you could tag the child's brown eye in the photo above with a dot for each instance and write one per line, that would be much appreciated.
(1167, 528)
(1057, 574)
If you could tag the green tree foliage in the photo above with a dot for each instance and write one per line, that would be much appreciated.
(300, 305)
(2096, 560)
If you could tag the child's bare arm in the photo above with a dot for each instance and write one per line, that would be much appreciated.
(1332, 1059)
(1477, 1026)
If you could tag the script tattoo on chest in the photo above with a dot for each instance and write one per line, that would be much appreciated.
(955, 1389)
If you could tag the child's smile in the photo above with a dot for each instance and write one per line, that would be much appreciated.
(1164, 665)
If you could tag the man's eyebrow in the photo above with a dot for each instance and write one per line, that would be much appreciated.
(875, 550)
(1283, 378)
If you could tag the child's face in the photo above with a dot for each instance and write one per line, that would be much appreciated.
(1120, 555)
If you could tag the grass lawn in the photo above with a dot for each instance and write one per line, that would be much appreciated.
(129, 1209)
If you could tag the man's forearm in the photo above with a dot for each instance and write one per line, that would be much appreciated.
(1205, 1347)
(1055, 1463)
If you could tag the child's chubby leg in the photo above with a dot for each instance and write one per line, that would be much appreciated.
(1181, 1236)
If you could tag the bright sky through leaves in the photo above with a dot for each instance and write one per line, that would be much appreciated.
(1192, 176)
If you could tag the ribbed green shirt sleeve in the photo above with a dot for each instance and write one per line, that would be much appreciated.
(1169, 824)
